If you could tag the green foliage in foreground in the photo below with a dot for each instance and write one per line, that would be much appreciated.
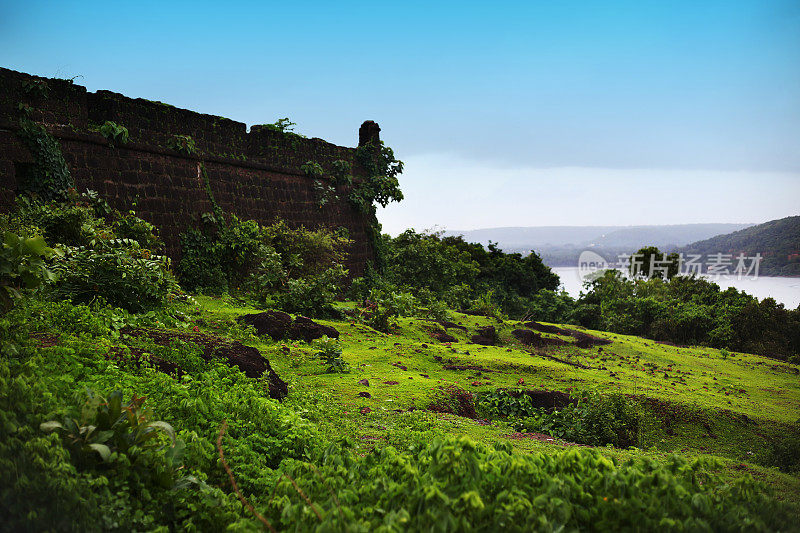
(22, 266)
(49, 482)
(458, 485)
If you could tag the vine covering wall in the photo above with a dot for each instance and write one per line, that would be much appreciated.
(174, 164)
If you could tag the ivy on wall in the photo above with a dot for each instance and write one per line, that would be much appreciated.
(48, 177)
(380, 186)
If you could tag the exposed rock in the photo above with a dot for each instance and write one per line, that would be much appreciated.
(306, 329)
(276, 324)
(487, 336)
(279, 325)
(584, 340)
(447, 325)
(441, 336)
(364, 382)
(527, 337)
(546, 329)
(365, 394)
(248, 359)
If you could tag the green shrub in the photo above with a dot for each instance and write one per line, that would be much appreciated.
(593, 419)
(118, 271)
(22, 267)
(129, 226)
(506, 404)
(690, 311)
(330, 351)
(312, 295)
(68, 223)
(456, 484)
(464, 275)
(109, 428)
(44, 486)
(783, 450)
(114, 133)
(102, 254)
(484, 305)
(60, 317)
(187, 355)
(296, 269)
(437, 310)
(380, 308)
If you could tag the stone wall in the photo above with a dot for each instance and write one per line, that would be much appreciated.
(254, 175)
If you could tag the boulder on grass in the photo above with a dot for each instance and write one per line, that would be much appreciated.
(279, 325)
(276, 324)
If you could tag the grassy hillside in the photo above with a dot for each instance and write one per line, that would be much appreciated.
(699, 403)
(778, 242)
(126, 404)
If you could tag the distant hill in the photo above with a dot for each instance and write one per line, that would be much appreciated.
(778, 242)
(606, 236)
(561, 245)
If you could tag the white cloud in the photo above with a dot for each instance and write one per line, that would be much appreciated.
(459, 194)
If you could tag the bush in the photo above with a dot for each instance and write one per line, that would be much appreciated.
(380, 308)
(462, 274)
(312, 295)
(129, 226)
(102, 254)
(298, 270)
(783, 450)
(505, 404)
(484, 305)
(592, 419)
(690, 311)
(118, 271)
(22, 266)
(330, 351)
(110, 428)
(457, 484)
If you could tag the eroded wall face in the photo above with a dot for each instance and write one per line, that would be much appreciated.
(253, 175)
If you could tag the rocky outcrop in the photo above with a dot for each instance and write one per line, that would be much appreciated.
(279, 325)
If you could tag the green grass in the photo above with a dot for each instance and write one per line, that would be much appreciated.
(726, 407)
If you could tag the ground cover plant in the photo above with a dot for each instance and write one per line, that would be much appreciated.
(167, 415)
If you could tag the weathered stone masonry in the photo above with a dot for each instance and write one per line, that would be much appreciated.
(253, 175)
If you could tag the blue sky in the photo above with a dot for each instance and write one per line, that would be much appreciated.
(506, 113)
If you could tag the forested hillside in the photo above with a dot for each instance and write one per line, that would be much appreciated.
(778, 242)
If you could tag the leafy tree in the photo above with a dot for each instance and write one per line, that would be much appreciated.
(650, 262)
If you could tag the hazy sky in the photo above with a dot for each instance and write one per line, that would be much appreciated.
(506, 113)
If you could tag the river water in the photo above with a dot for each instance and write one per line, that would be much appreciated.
(783, 290)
